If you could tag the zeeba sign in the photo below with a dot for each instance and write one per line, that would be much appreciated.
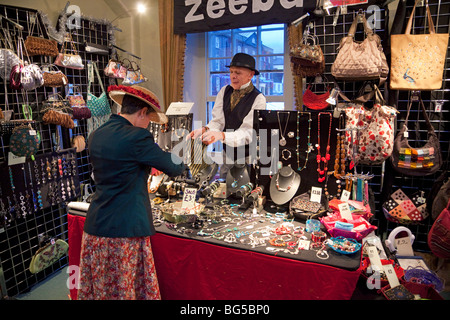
(209, 15)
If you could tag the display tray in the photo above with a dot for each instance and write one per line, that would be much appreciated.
(238, 229)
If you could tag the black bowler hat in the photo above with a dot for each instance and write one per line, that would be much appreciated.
(245, 61)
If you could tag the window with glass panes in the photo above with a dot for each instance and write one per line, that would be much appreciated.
(264, 43)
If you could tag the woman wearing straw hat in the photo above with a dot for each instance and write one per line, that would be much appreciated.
(116, 258)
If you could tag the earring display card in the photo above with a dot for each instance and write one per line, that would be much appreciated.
(33, 186)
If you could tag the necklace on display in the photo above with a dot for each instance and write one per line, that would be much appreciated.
(282, 133)
(288, 187)
(308, 145)
(320, 158)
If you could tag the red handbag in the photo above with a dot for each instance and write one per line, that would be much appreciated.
(315, 101)
(439, 234)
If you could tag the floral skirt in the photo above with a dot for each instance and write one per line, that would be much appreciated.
(117, 269)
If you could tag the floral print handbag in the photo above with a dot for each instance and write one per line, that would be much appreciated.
(374, 141)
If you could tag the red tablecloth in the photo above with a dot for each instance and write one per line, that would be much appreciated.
(189, 269)
(196, 270)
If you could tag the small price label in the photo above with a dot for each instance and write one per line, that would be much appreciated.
(404, 247)
(344, 209)
(374, 258)
(345, 195)
(391, 275)
(189, 198)
(316, 194)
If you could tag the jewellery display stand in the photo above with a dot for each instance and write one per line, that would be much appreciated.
(284, 185)
(171, 134)
(300, 151)
(237, 176)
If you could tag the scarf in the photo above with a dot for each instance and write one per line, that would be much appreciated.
(237, 95)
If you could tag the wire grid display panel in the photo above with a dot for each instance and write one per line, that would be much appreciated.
(386, 178)
(440, 11)
(20, 240)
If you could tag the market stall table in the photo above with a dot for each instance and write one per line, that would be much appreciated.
(192, 267)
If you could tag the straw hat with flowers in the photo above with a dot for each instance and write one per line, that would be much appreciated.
(117, 93)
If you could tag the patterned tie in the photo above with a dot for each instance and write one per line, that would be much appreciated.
(237, 95)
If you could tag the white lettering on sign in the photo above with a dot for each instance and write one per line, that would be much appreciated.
(235, 3)
(288, 4)
(262, 5)
(216, 8)
(190, 17)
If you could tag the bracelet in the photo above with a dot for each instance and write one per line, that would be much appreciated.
(318, 236)
(277, 242)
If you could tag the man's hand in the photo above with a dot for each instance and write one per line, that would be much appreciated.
(212, 136)
(196, 133)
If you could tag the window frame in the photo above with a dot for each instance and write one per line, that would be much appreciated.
(287, 87)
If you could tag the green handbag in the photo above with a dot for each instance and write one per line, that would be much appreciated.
(48, 255)
(99, 106)
(24, 141)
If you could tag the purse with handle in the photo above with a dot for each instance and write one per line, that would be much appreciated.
(417, 60)
(359, 61)
(69, 60)
(99, 106)
(421, 161)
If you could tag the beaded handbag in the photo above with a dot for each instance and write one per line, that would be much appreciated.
(48, 255)
(99, 106)
(25, 141)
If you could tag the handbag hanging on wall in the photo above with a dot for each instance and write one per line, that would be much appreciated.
(416, 161)
(99, 106)
(375, 141)
(358, 61)
(417, 60)
(69, 60)
(39, 46)
(316, 101)
(307, 58)
(53, 77)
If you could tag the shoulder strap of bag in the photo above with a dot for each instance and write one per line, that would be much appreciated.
(367, 29)
(430, 20)
(94, 65)
(424, 113)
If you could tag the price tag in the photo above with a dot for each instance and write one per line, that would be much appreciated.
(32, 132)
(189, 198)
(345, 195)
(344, 209)
(303, 244)
(391, 276)
(374, 258)
(13, 159)
(316, 194)
(404, 247)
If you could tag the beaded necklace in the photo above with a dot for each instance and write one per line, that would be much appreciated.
(320, 158)
(288, 187)
(308, 145)
(339, 162)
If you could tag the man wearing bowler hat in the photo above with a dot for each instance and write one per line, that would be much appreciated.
(232, 115)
